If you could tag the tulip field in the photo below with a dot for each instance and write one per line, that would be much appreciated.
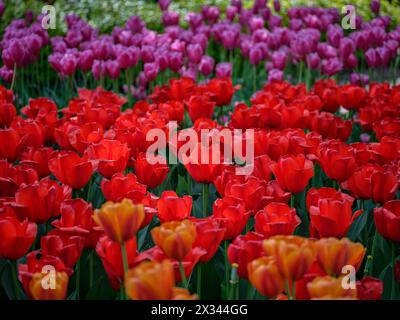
(223, 150)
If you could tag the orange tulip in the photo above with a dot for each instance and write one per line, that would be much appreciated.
(183, 294)
(265, 277)
(330, 288)
(294, 255)
(334, 254)
(120, 220)
(38, 291)
(175, 238)
(150, 281)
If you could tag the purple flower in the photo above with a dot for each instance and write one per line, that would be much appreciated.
(151, 71)
(6, 74)
(194, 53)
(206, 65)
(371, 58)
(164, 4)
(375, 6)
(113, 69)
(223, 70)
(275, 75)
(68, 64)
(255, 56)
(313, 60)
(2, 8)
(365, 137)
(277, 5)
(147, 54)
(85, 60)
(170, 18)
(231, 12)
(279, 59)
(98, 69)
(332, 66)
(175, 60)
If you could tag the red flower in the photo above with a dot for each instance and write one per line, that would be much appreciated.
(151, 175)
(70, 169)
(274, 193)
(111, 256)
(189, 262)
(262, 167)
(7, 114)
(120, 187)
(293, 172)
(222, 90)
(315, 195)
(244, 249)
(228, 173)
(233, 216)
(171, 207)
(77, 220)
(252, 192)
(209, 235)
(387, 127)
(372, 181)
(80, 137)
(16, 237)
(200, 106)
(174, 109)
(337, 160)
(33, 131)
(67, 248)
(332, 218)
(35, 263)
(11, 177)
(330, 126)
(351, 96)
(369, 288)
(181, 88)
(38, 158)
(10, 143)
(387, 220)
(41, 200)
(276, 219)
(110, 156)
(327, 90)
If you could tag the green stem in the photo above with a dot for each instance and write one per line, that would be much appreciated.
(14, 76)
(14, 268)
(205, 199)
(91, 269)
(183, 275)
(370, 259)
(124, 257)
(394, 282)
(292, 201)
(288, 290)
(227, 265)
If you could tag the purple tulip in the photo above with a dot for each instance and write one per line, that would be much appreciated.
(259, 5)
(210, 13)
(275, 21)
(275, 75)
(164, 4)
(151, 71)
(279, 59)
(375, 6)
(277, 5)
(135, 24)
(175, 60)
(15, 54)
(330, 67)
(147, 54)
(194, 20)
(6, 74)
(237, 4)
(162, 60)
(113, 69)
(2, 8)
(256, 23)
(255, 56)
(194, 53)
(371, 58)
(170, 18)
(223, 70)
(231, 12)
(313, 60)
(68, 64)
(98, 69)
(188, 73)
(85, 60)
(365, 137)
(334, 35)
(206, 65)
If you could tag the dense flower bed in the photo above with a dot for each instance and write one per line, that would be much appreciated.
(330, 177)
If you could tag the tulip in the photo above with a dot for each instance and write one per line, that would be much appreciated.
(375, 6)
(334, 254)
(175, 238)
(38, 292)
(120, 187)
(120, 220)
(40, 201)
(112, 257)
(276, 219)
(111, 156)
(173, 208)
(332, 218)
(222, 89)
(7, 114)
(293, 172)
(369, 288)
(206, 65)
(329, 288)
(16, 237)
(223, 70)
(150, 281)
(11, 143)
(151, 175)
(387, 220)
(243, 250)
(315, 195)
(72, 170)
(183, 294)
(199, 107)
(294, 255)
(265, 277)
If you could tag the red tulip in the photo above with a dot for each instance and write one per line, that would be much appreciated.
(244, 249)
(7, 114)
(293, 172)
(10, 143)
(151, 175)
(70, 169)
(120, 187)
(372, 181)
(276, 219)
(315, 195)
(80, 137)
(330, 126)
(67, 248)
(171, 207)
(387, 220)
(337, 160)
(11, 177)
(209, 235)
(200, 106)
(16, 237)
(77, 220)
(231, 211)
(351, 96)
(369, 288)
(174, 109)
(110, 156)
(41, 200)
(332, 218)
(38, 158)
(111, 256)
(33, 131)
(222, 90)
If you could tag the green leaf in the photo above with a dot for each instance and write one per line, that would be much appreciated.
(357, 227)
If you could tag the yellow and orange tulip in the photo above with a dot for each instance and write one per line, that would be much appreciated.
(294, 255)
(150, 281)
(120, 220)
(39, 292)
(330, 288)
(175, 238)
